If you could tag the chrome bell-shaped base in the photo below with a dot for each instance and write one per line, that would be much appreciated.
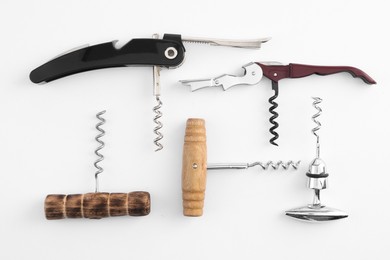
(316, 211)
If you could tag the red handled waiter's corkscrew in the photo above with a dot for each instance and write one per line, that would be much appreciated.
(275, 71)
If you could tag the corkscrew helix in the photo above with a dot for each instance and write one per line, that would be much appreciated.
(317, 101)
(275, 166)
(159, 125)
(101, 146)
(275, 114)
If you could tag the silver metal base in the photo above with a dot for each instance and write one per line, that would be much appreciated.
(316, 213)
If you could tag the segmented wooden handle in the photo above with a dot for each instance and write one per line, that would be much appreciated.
(97, 205)
(194, 169)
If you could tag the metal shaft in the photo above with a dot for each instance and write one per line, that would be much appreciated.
(156, 81)
(316, 199)
(226, 166)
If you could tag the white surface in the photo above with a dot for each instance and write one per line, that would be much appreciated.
(47, 132)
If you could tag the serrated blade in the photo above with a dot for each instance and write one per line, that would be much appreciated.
(249, 44)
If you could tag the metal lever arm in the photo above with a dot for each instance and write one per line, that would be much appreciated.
(292, 70)
(252, 76)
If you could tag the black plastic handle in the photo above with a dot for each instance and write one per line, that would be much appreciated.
(166, 52)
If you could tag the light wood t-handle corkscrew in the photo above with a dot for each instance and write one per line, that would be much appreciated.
(194, 171)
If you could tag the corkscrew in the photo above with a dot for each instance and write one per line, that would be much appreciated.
(195, 167)
(101, 146)
(275, 71)
(159, 125)
(156, 109)
(167, 52)
(275, 114)
(97, 204)
(317, 180)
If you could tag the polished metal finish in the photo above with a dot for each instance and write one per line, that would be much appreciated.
(265, 166)
(156, 74)
(252, 76)
(317, 167)
(317, 180)
(101, 146)
(250, 44)
(156, 109)
(316, 101)
(159, 125)
(273, 63)
(170, 53)
(316, 213)
(227, 166)
(156, 81)
(157, 94)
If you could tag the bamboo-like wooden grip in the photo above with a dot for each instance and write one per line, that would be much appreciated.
(97, 205)
(194, 171)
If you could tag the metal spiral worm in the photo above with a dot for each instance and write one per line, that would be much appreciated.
(276, 165)
(158, 123)
(101, 146)
(275, 115)
(317, 101)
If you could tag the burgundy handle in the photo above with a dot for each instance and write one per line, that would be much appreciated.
(278, 72)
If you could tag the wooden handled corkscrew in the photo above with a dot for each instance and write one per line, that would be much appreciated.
(97, 205)
(194, 170)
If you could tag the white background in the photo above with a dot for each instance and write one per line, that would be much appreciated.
(47, 131)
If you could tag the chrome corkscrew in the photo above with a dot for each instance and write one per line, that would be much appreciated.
(156, 109)
(275, 166)
(317, 180)
(101, 146)
(317, 101)
(159, 125)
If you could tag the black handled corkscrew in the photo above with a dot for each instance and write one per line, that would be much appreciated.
(165, 52)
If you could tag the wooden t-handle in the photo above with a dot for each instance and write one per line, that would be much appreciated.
(97, 205)
(194, 169)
